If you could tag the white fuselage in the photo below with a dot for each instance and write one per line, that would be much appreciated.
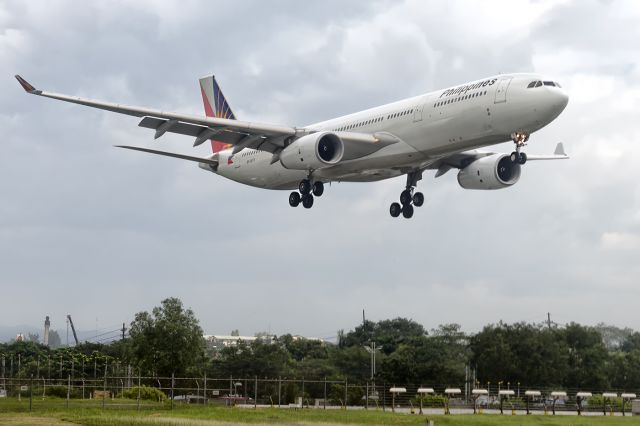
(429, 126)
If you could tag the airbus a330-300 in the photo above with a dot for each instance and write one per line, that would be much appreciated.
(439, 131)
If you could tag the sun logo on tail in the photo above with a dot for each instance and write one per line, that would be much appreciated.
(215, 105)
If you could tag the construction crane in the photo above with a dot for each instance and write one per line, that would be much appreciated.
(73, 329)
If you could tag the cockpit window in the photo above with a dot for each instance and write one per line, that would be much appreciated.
(532, 84)
(538, 83)
(558, 85)
(549, 83)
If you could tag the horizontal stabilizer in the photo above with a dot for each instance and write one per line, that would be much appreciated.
(209, 161)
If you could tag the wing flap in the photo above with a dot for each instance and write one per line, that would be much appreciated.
(222, 135)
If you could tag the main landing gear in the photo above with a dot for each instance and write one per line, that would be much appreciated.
(307, 191)
(520, 139)
(408, 198)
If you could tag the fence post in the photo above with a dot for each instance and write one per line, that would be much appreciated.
(30, 392)
(104, 389)
(302, 393)
(366, 397)
(68, 388)
(255, 395)
(279, 389)
(172, 384)
(139, 373)
(324, 400)
(204, 390)
(384, 395)
(346, 395)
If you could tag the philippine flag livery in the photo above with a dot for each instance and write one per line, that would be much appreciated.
(215, 105)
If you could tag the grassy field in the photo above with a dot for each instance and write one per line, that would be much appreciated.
(58, 414)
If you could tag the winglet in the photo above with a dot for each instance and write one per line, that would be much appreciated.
(27, 86)
(560, 150)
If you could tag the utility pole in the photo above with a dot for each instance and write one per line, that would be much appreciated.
(549, 320)
(123, 330)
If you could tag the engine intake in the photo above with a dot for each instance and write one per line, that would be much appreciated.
(495, 171)
(314, 151)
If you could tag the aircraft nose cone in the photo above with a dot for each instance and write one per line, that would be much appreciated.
(561, 99)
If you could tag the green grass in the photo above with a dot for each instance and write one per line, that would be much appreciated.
(12, 413)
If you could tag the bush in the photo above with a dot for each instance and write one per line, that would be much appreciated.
(60, 391)
(146, 393)
(429, 400)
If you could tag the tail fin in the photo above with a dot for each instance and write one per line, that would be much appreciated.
(215, 105)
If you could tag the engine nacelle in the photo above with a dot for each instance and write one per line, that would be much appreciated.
(492, 172)
(314, 151)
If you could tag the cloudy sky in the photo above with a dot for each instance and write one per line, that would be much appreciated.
(101, 233)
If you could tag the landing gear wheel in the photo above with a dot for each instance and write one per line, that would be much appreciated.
(395, 209)
(294, 199)
(304, 186)
(318, 188)
(522, 158)
(307, 201)
(418, 199)
(514, 157)
(407, 211)
(405, 197)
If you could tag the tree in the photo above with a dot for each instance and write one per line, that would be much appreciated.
(169, 340)
(388, 334)
(587, 357)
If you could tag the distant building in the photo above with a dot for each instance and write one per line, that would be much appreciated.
(219, 342)
(19, 337)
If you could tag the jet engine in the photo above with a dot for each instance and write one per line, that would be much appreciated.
(492, 172)
(314, 151)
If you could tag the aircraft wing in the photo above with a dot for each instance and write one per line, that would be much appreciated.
(241, 134)
(210, 161)
(461, 159)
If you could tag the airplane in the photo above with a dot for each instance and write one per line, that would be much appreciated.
(440, 130)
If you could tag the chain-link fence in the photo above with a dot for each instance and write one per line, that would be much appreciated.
(137, 392)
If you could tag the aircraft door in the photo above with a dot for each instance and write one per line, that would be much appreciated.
(501, 90)
(417, 113)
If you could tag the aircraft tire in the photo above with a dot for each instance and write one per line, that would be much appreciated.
(294, 199)
(407, 211)
(307, 201)
(523, 158)
(304, 186)
(418, 199)
(395, 209)
(405, 197)
(318, 188)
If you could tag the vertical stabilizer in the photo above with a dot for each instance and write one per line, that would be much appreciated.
(215, 105)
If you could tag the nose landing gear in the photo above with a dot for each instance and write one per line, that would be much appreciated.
(307, 191)
(408, 198)
(520, 139)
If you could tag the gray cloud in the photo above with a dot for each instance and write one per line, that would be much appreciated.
(89, 230)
